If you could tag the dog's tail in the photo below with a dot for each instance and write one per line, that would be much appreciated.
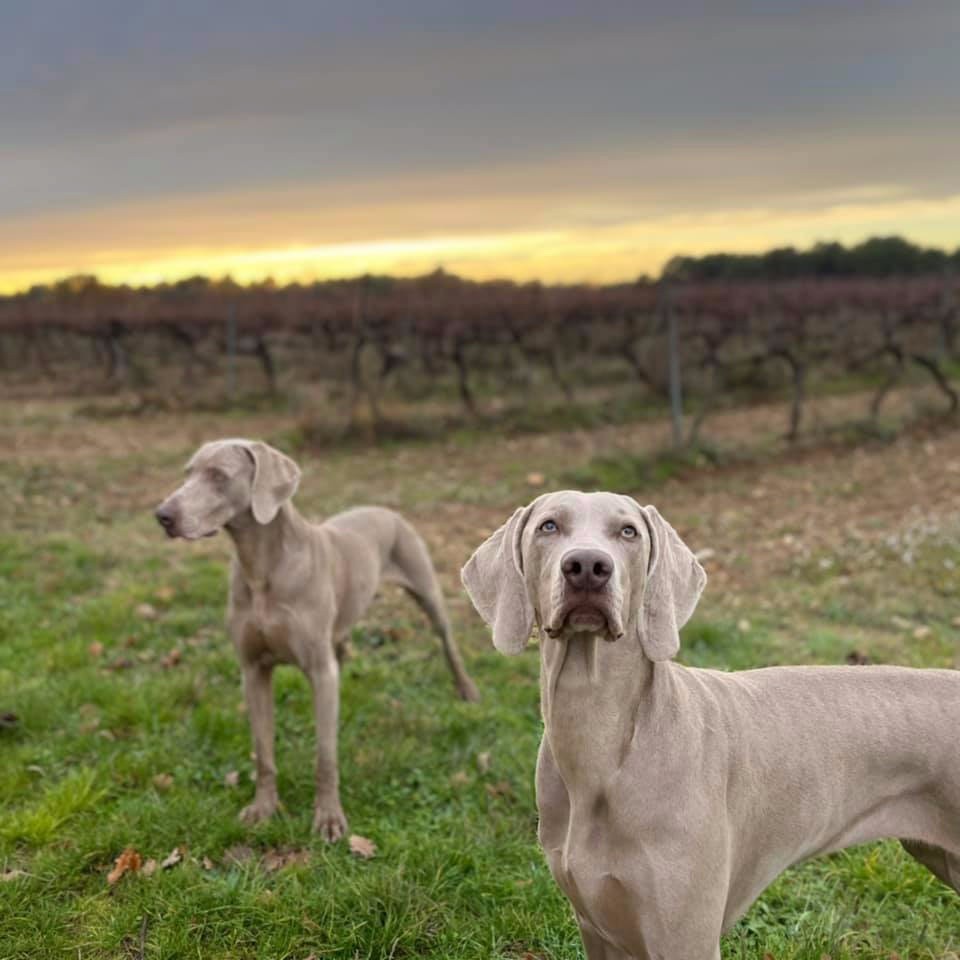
(411, 567)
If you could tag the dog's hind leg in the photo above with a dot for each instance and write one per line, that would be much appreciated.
(411, 567)
(941, 863)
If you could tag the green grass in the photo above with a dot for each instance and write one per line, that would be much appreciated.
(458, 872)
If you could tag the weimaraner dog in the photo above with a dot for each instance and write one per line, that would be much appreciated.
(670, 797)
(295, 590)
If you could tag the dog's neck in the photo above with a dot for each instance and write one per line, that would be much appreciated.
(260, 547)
(593, 693)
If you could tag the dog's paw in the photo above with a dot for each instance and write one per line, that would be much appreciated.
(330, 823)
(258, 811)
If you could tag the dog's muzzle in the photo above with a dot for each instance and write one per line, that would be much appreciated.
(167, 519)
(586, 603)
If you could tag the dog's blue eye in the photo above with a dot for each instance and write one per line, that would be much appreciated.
(548, 526)
(629, 532)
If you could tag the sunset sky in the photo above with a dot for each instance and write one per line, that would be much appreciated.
(547, 139)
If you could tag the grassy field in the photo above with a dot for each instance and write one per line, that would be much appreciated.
(130, 730)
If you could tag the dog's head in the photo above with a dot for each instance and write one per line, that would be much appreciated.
(588, 563)
(224, 479)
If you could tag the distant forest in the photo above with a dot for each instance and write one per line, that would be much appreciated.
(876, 257)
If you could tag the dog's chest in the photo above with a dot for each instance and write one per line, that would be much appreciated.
(588, 856)
(590, 876)
(266, 628)
(603, 891)
(259, 606)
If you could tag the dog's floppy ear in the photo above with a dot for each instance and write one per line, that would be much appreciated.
(673, 586)
(275, 480)
(493, 578)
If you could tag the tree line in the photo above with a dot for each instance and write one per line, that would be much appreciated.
(876, 257)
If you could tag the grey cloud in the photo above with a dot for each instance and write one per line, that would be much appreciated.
(107, 102)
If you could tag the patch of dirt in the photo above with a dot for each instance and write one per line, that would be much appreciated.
(761, 522)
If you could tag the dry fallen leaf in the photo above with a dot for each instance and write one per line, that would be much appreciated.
(362, 847)
(146, 611)
(237, 855)
(163, 781)
(206, 863)
(9, 875)
(172, 658)
(274, 860)
(921, 632)
(89, 714)
(95, 649)
(501, 789)
(460, 778)
(149, 868)
(297, 858)
(231, 779)
(536, 479)
(128, 862)
(164, 593)
(172, 859)
(483, 761)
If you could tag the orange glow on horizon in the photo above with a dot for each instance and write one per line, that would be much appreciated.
(554, 252)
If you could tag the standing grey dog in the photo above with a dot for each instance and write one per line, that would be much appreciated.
(670, 797)
(296, 588)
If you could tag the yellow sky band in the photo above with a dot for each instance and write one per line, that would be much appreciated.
(169, 246)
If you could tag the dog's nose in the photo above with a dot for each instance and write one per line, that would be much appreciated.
(586, 569)
(165, 518)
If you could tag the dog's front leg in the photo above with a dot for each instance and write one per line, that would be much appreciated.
(328, 818)
(258, 691)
